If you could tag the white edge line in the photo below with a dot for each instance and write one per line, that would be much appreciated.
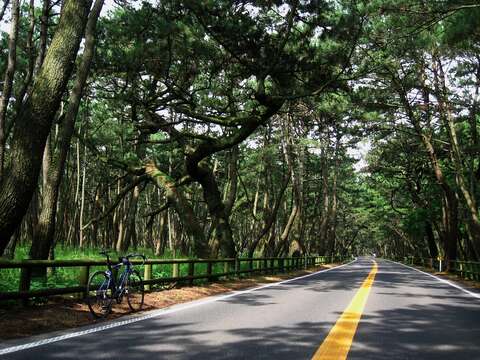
(475, 295)
(155, 313)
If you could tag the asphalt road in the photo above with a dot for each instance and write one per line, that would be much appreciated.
(408, 315)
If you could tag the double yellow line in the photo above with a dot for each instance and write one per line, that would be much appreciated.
(339, 340)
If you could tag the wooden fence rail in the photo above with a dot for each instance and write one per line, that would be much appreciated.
(155, 271)
(469, 270)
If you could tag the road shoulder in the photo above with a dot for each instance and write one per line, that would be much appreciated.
(62, 315)
(469, 287)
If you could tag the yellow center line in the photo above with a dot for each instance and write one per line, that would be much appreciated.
(337, 344)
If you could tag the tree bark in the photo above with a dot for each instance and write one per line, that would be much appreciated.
(270, 219)
(432, 246)
(8, 80)
(45, 231)
(222, 232)
(34, 121)
(31, 59)
(331, 234)
(449, 201)
(325, 213)
(455, 151)
(42, 47)
(125, 240)
(182, 207)
(230, 191)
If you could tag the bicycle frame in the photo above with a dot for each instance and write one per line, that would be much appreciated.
(117, 285)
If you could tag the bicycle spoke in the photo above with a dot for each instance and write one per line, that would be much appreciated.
(99, 294)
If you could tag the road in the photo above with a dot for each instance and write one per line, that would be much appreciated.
(405, 314)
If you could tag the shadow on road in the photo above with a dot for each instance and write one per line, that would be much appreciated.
(408, 316)
(413, 316)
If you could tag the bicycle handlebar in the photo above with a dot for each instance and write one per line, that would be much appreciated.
(144, 258)
(105, 253)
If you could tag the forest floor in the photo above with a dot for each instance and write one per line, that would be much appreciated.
(61, 313)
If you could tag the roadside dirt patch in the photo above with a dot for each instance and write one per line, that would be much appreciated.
(61, 313)
(454, 278)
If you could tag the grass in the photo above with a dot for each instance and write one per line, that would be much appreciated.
(69, 276)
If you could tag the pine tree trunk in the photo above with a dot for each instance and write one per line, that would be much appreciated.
(8, 80)
(455, 151)
(182, 208)
(45, 233)
(449, 200)
(33, 123)
(222, 233)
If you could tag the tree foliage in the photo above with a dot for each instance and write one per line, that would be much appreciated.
(227, 128)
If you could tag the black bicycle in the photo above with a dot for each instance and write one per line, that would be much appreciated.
(103, 286)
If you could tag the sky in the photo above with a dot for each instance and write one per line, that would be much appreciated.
(359, 153)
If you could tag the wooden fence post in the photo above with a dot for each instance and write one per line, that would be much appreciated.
(175, 270)
(83, 279)
(226, 268)
(191, 272)
(25, 279)
(237, 267)
(209, 271)
(147, 275)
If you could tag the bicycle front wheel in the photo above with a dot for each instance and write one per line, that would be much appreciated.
(134, 291)
(99, 294)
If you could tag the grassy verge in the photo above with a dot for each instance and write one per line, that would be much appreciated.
(61, 313)
(62, 277)
(68, 276)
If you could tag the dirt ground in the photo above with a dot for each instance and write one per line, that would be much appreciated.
(61, 313)
(454, 278)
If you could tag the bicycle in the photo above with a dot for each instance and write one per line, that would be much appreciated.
(103, 287)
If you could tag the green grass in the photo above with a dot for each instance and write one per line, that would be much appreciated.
(69, 276)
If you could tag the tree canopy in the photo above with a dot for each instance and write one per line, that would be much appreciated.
(234, 128)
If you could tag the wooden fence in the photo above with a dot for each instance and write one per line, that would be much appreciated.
(185, 271)
(469, 270)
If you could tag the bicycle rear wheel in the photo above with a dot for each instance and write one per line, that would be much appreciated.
(99, 294)
(134, 291)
